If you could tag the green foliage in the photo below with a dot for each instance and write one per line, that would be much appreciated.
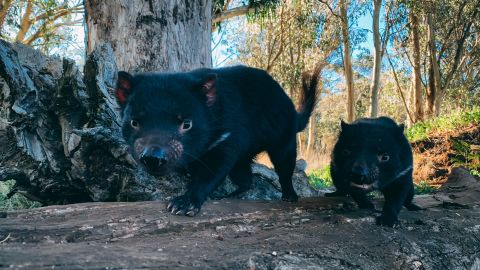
(263, 8)
(424, 188)
(44, 24)
(15, 202)
(292, 39)
(466, 155)
(420, 131)
(320, 178)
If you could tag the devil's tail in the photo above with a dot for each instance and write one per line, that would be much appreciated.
(308, 98)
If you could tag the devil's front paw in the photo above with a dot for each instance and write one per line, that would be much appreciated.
(183, 205)
(386, 220)
(366, 205)
(290, 197)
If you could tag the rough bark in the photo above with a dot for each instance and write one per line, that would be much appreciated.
(347, 62)
(60, 135)
(152, 35)
(321, 233)
(377, 59)
(416, 74)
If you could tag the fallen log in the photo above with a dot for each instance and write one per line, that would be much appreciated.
(315, 233)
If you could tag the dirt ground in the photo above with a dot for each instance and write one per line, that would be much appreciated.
(316, 233)
(433, 156)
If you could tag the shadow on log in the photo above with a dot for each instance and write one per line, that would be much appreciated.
(315, 233)
(60, 135)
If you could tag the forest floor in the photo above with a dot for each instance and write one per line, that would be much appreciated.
(316, 233)
(435, 156)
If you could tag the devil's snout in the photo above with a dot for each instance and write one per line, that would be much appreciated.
(153, 158)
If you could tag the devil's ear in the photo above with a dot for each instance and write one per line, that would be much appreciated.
(124, 87)
(209, 88)
(344, 125)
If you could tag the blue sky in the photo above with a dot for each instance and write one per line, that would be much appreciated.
(75, 51)
(219, 54)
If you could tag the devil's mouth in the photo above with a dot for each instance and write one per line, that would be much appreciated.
(366, 187)
(156, 171)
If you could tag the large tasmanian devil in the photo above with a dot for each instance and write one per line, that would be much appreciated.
(212, 122)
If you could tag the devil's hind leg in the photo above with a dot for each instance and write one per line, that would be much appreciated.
(283, 158)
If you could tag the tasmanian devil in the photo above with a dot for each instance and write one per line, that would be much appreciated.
(374, 154)
(212, 122)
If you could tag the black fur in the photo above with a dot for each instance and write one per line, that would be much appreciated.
(374, 154)
(235, 113)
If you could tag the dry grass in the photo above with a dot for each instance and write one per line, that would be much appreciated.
(314, 160)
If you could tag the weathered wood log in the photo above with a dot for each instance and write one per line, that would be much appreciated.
(61, 139)
(60, 135)
(319, 233)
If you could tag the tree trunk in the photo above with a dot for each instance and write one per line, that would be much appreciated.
(152, 35)
(300, 143)
(4, 8)
(347, 62)
(434, 90)
(377, 59)
(411, 104)
(311, 134)
(430, 90)
(416, 74)
(435, 65)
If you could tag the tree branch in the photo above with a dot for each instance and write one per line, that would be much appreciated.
(59, 10)
(331, 9)
(451, 30)
(460, 47)
(399, 89)
(25, 23)
(43, 30)
(4, 8)
(234, 12)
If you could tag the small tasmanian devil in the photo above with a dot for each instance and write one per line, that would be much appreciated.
(374, 154)
(212, 122)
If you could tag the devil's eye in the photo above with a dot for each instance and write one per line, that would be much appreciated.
(187, 124)
(383, 157)
(134, 124)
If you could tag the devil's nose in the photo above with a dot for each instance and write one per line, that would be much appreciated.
(360, 170)
(153, 157)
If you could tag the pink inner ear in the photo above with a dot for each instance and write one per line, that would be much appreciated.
(121, 95)
(211, 98)
(210, 91)
(124, 87)
(209, 84)
(124, 84)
